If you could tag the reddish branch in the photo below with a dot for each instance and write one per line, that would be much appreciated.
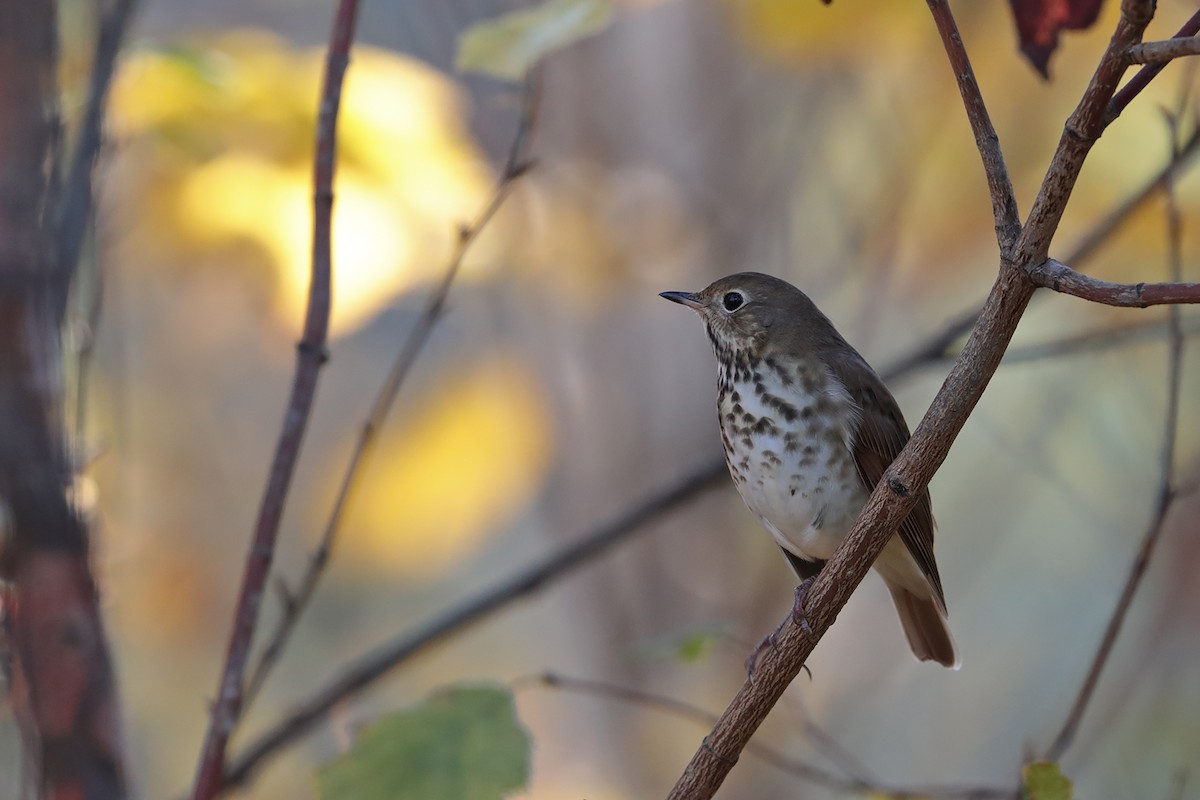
(1061, 278)
(310, 356)
(1147, 73)
(296, 602)
(931, 441)
(62, 688)
(366, 670)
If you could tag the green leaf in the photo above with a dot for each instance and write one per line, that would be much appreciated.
(507, 46)
(686, 646)
(464, 743)
(1043, 780)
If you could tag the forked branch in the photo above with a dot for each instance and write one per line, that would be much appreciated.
(1058, 276)
(896, 493)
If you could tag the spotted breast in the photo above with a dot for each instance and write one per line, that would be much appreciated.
(787, 433)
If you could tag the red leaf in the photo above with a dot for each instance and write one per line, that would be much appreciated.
(1039, 21)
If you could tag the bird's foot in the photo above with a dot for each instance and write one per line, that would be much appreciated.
(767, 643)
(799, 618)
(799, 613)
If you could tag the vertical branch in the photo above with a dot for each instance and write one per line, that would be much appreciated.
(72, 208)
(1166, 491)
(63, 688)
(295, 602)
(310, 356)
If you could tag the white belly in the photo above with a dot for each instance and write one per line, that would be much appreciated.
(798, 476)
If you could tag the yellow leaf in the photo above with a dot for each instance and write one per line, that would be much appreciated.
(217, 154)
(461, 465)
(506, 47)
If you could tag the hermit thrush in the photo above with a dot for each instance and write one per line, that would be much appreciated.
(808, 430)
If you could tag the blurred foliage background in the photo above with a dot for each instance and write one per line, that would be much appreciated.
(827, 145)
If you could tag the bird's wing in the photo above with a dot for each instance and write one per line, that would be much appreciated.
(881, 435)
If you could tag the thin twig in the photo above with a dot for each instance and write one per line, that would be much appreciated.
(684, 710)
(1058, 276)
(74, 203)
(1178, 785)
(1104, 229)
(1162, 52)
(85, 349)
(771, 755)
(1166, 493)
(1000, 188)
(936, 348)
(1146, 74)
(310, 356)
(835, 751)
(361, 673)
(296, 602)
(1095, 341)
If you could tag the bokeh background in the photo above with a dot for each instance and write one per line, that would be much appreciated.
(826, 145)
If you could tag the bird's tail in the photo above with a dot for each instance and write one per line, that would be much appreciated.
(925, 626)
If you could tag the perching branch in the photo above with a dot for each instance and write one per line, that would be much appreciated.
(1058, 276)
(516, 165)
(910, 473)
(310, 356)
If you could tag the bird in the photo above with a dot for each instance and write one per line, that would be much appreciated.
(808, 429)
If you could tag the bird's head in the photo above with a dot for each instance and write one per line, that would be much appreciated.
(748, 312)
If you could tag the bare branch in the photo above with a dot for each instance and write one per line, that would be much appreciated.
(1166, 494)
(1103, 230)
(1146, 74)
(683, 710)
(74, 204)
(909, 474)
(1162, 52)
(1000, 188)
(1058, 276)
(936, 348)
(369, 668)
(1095, 341)
(515, 166)
(310, 356)
(773, 756)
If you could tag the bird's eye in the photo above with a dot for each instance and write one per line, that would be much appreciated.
(732, 301)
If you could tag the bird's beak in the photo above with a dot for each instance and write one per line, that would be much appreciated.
(688, 299)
